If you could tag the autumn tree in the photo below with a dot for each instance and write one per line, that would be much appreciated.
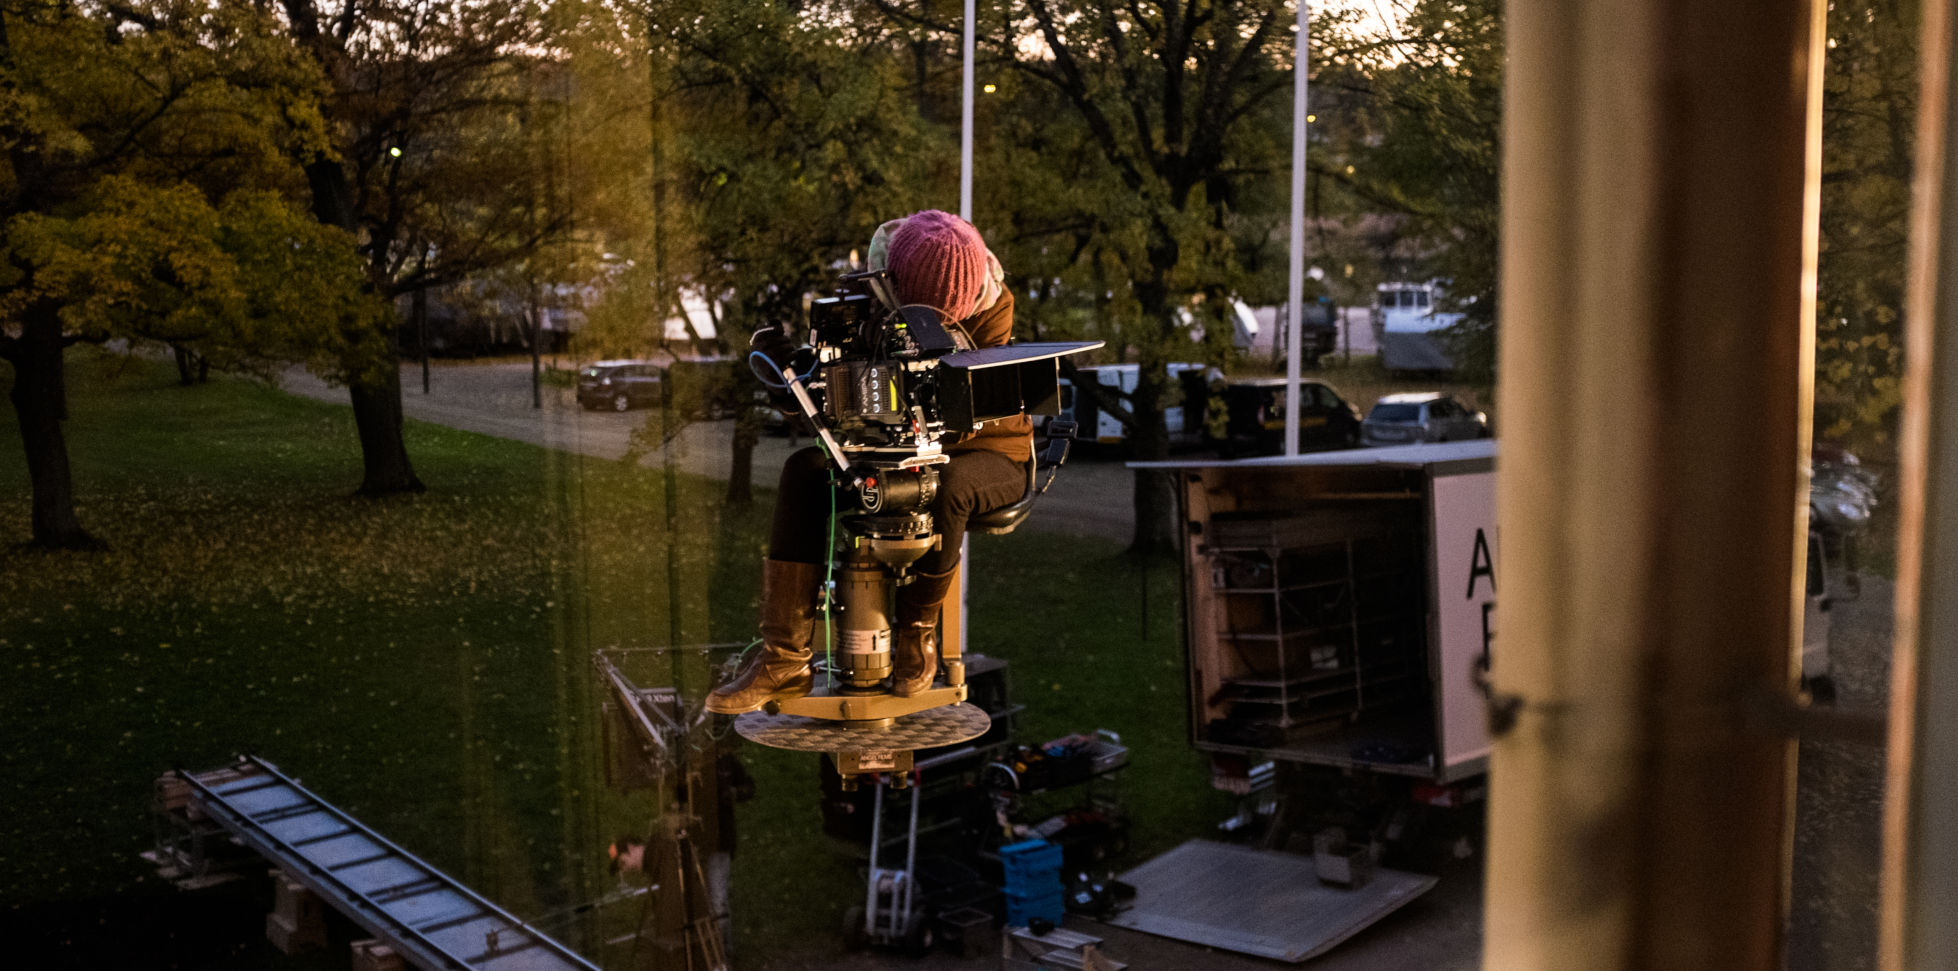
(1411, 133)
(747, 149)
(144, 148)
(431, 161)
(1138, 133)
(1869, 114)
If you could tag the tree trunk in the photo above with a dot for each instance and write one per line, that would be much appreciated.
(377, 402)
(40, 405)
(186, 375)
(377, 416)
(741, 461)
(1154, 501)
(1154, 498)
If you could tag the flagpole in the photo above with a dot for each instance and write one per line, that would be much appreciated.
(1295, 284)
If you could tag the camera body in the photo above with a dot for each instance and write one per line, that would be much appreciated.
(876, 375)
(887, 387)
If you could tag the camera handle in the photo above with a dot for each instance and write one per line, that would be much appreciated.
(808, 405)
(880, 285)
(1060, 439)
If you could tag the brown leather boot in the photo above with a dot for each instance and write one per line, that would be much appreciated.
(914, 644)
(779, 670)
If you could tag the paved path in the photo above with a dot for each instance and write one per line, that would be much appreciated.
(1090, 498)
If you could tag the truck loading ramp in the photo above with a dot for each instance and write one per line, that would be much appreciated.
(1259, 902)
(421, 913)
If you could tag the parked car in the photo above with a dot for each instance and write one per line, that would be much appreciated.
(1254, 422)
(1840, 501)
(772, 417)
(621, 385)
(699, 386)
(1401, 419)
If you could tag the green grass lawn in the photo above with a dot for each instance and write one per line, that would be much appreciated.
(425, 661)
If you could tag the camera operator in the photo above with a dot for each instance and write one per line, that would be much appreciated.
(938, 260)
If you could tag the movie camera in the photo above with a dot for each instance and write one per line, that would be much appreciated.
(886, 388)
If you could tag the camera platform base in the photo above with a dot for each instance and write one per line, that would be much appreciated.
(875, 706)
(864, 748)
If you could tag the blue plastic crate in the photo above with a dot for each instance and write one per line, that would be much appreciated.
(1021, 910)
(1031, 865)
(1033, 887)
(1034, 884)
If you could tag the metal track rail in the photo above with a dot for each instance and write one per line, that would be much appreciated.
(426, 916)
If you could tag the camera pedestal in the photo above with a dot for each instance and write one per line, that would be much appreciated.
(848, 708)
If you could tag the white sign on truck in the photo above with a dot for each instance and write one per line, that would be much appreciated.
(1463, 512)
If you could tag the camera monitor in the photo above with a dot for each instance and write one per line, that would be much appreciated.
(999, 382)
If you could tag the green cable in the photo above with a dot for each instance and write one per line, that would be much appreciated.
(741, 657)
(829, 586)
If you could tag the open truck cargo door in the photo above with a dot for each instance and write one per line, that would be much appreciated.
(1338, 606)
(1338, 609)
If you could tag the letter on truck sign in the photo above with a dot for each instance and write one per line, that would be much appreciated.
(1464, 509)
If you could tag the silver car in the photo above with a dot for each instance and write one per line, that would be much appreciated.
(1403, 419)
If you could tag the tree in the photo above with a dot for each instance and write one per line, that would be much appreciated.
(1869, 115)
(782, 138)
(1413, 129)
(1174, 118)
(430, 161)
(1423, 131)
(127, 132)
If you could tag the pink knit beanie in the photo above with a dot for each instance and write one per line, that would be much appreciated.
(939, 260)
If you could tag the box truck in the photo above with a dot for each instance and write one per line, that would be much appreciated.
(1338, 608)
(1410, 331)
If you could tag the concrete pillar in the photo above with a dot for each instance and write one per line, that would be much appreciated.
(372, 955)
(1920, 879)
(298, 918)
(1659, 240)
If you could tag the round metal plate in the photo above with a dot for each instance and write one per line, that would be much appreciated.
(944, 725)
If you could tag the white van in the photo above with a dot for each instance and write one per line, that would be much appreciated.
(1408, 329)
(1103, 428)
